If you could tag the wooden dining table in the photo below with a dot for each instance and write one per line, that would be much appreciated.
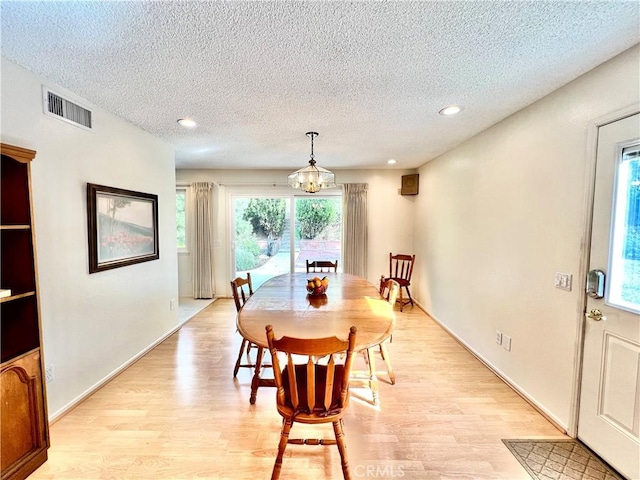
(284, 303)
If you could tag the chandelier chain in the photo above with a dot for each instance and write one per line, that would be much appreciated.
(312, 135)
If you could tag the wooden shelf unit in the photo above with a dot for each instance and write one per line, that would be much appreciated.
(24, 426)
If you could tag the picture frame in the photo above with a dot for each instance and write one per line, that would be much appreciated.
(122, 227)
(410, 184)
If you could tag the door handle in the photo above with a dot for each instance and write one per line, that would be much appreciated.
(596, 315)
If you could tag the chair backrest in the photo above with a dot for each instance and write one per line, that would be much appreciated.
(321, 266)
(312, 387)
(242, 290)
(389, 289)
(401, 266)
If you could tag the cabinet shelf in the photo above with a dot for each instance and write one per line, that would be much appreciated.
(15, 227)
(16, 297)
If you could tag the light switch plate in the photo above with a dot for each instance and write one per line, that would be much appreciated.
(563, 281)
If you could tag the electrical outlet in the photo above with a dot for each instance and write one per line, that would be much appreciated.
(498, 337)
(506, 342)
(172, 304)
(48, 373)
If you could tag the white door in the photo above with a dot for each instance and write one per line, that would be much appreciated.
(609, 421)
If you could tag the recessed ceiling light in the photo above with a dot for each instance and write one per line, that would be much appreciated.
(391, 161)
(451, 110)
(187, 123)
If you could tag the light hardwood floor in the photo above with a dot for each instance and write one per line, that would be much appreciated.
(178, 413)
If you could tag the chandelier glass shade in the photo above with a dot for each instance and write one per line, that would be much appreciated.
(312, 179)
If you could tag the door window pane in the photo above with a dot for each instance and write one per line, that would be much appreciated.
(318, 230)
(261, 237)
(624, 264)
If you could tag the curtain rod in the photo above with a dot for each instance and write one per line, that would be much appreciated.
(247, 184)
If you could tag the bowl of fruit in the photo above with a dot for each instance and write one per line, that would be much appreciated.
(317, 285)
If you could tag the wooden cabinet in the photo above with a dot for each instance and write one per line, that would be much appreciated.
(23, 409)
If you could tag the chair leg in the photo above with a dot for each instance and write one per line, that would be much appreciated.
(284, 439)
(255, 381)
(373, 377)
(242, 347)
(342, 448)
(384, 353)
(400, 299)
(365, 356)
(409, 293)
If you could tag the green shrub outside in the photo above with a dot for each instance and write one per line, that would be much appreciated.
(267, 217)
(247, 248)
(314, 215)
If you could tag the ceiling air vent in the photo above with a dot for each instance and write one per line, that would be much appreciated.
(61, 108)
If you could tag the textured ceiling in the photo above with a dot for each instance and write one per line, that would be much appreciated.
(369, 76)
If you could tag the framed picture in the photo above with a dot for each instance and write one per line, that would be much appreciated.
(123, 227)
(410, 184)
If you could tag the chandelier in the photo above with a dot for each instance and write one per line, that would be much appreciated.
(312, 179)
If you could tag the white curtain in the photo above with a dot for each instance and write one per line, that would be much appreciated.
(202, 239)
(354, 229)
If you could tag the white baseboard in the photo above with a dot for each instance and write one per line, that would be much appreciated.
(53, 417)
(513, 385)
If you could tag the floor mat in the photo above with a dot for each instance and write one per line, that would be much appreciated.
(559, 460)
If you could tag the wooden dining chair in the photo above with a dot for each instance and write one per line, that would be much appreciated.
(389, 290)
(242, 289)
(321, 266)
(400, 270)
(315, 391)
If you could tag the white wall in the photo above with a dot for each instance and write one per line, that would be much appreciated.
(500, 214)
(390, 215)
(92, 324)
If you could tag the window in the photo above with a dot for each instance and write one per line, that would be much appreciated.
(624, 262)
(181, 219)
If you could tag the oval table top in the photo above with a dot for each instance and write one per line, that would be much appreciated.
(283, 302)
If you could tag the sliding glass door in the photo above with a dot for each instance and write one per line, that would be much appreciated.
(273, 235)
(318, 230)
